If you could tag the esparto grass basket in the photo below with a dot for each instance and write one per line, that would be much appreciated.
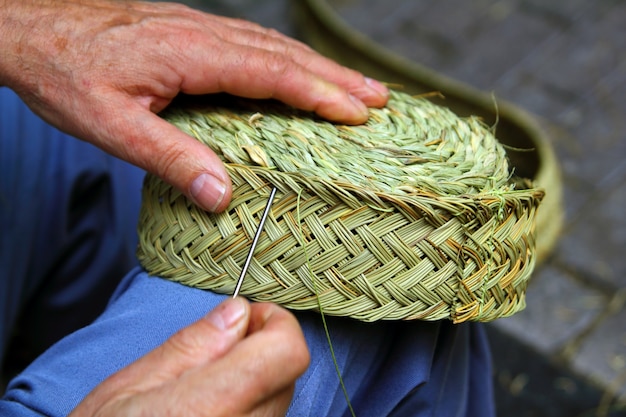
(413, 215)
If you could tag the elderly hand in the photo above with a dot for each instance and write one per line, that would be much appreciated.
(240, 360)
(101, 69)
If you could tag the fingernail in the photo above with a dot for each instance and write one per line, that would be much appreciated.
(358, 104)
(226, 315)
(377, 86)
(208, 191)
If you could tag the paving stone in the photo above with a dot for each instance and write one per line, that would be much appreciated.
(590, 110)
(594, 245)
(600, 133)
(407, 28)
(591, 136)
(529, 384)
(575, 57)
(565, 66)
(558, 309)
(602, 355)
(577, 190)
(578, 193)
(456, 38)
(598, 145)
(526, 89)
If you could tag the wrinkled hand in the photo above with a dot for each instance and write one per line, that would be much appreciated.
(240, 360)
(100, 69)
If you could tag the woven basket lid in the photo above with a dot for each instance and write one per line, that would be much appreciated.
(413, 215)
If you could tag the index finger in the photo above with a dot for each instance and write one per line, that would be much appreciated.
(252, 72)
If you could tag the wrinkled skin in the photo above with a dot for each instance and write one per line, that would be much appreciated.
(100, 69)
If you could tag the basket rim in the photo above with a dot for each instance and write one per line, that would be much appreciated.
(381, 200)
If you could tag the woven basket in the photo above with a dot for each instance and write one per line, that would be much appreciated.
(413, 215)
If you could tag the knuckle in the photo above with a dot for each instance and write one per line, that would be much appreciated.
(184, 342)
(277, 65)
(168, 158)
(272, 33)
(195, 341)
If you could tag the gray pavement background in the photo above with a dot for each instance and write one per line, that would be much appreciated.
(565, 62)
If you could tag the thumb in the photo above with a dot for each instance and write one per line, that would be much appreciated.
(146, 140)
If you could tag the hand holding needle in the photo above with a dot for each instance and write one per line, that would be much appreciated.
(254, 242)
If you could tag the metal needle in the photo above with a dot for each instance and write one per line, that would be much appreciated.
(254, 242)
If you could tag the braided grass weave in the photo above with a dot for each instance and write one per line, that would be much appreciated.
(413, 215)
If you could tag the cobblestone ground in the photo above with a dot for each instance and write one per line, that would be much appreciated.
(565, 62)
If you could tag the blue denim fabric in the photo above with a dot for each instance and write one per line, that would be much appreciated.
(67, 213)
